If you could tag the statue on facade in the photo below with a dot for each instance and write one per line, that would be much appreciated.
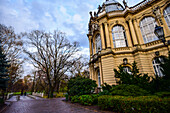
(99, 9)
(125, 3)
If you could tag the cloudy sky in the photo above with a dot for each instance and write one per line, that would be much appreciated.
(69, 16)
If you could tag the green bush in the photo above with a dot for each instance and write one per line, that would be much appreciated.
(128, 104)
(89, 99)
(75, 99)
(163, 94)
(95, 98)
(104, 92)
(86, 100)
(128, 90)
(81, 86)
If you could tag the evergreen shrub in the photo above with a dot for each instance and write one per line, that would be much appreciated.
(128, 90)
(81, 86)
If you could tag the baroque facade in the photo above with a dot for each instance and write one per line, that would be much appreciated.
(120, 35)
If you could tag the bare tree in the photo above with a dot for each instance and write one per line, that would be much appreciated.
(53, 55)
(80, 67)
(12, 47)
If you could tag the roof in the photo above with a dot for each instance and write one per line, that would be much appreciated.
(112, 5)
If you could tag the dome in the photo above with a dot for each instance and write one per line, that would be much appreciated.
(112, 5)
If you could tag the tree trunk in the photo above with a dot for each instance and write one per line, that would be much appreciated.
(58, 86)
(51, 92)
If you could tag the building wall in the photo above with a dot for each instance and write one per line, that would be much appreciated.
(110, 57)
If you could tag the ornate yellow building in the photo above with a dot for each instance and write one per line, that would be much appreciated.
(119, 35)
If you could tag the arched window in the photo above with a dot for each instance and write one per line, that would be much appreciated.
(119, 36)
(147, 26)
(167, 15)
(98, 43)
(156, 65)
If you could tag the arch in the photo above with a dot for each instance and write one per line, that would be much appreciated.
(119, 36)
(147, 25)
(166, 13)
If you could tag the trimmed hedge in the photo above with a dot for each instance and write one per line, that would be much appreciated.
(85, 99)
(130, 104)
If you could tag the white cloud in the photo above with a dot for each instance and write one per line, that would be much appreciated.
(77, 18)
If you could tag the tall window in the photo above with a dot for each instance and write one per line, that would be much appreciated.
(92, 46)
(98, 43)
(147, 26)
(156, 65)
(99, 80)
(119, 36)
(167, 15)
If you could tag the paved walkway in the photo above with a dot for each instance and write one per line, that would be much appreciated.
(47, 106)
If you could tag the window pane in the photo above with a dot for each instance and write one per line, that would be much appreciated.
(119, 36)
(98, 43)
(156, 65)
(167, 15)
(147, 26)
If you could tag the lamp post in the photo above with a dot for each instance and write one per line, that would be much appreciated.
(159, 32)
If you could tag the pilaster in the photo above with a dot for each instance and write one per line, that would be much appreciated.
(134, 38)
(107, 35)
(102, 36)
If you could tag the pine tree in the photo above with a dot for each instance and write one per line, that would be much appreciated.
(133, 78)
(4, 77)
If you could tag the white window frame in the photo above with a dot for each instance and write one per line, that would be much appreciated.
(156, 66)
(167, 15)
(147, 27)
(119, 36)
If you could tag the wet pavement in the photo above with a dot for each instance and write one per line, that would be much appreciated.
(47, 106)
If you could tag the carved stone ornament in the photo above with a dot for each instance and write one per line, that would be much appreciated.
(95, 27)
(157, 13)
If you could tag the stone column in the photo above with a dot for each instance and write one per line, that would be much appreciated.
(92, 71)
(90, 45)
(107, 34)
(102, 36)
(133, 32)
(139, 35)
(101, 73)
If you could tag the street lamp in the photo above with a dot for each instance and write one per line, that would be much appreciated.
(159, 32)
